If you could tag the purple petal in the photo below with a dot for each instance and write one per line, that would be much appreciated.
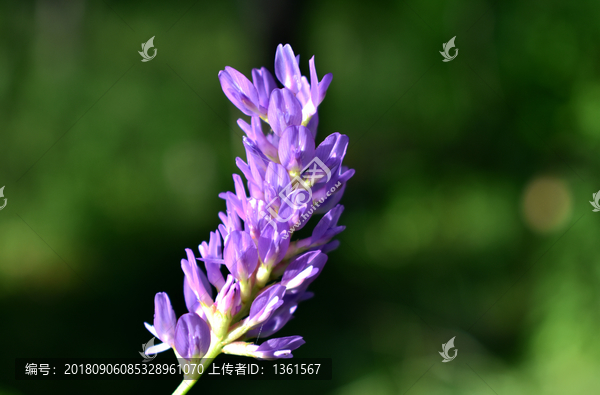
(338, 186)
(257, 161)
(323, 85)
(318, 89)
(264, 305)
(322, 233)
(240, 91)
(278, 319)
(313, 124)
(296, 148)
(284, 110)
(164, 318)
(286, 68)
(192, 336)
(276, 179)
(241, 255)
(303, 270)
(212, 254)
(264, 84)
(229, 299)
(278, 348)
(255, 186)
(272, 246)
(197, 280)
(191, 301)
(304, 94)
(256, 134)
(327, 248)
(332, 150)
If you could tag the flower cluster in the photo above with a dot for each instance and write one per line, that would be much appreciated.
(288, 180)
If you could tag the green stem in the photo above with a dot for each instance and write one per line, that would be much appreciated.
(186, 385)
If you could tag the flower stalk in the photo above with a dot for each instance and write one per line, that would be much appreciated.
(288, 179)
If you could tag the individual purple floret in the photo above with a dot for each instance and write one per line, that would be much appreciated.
(212, 253)
(270, 349)
(267, 302)
(284, 110)
(192, 336)
(259, 271)
(229, 300)
(276, 348)
(164, 324)
(241, 92)
(303, 270)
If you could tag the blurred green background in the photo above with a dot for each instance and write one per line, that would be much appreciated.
(468, 215)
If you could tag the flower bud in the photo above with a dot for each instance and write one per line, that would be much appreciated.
(196, 279)
(228, 300)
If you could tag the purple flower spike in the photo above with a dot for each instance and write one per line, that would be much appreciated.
(286, 68)
(196, 279)
(229, 300)
(241, 255)
(264, 84)
(264, 304)
(192, 336)
(287, 180)
(284, 110)
(303, 270)
(276, 348)
(296, 148)
(164, 323)
(240, 91)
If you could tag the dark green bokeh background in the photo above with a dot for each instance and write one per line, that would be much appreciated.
(468, 215)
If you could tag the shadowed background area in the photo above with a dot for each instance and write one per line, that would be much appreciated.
(468, 215)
